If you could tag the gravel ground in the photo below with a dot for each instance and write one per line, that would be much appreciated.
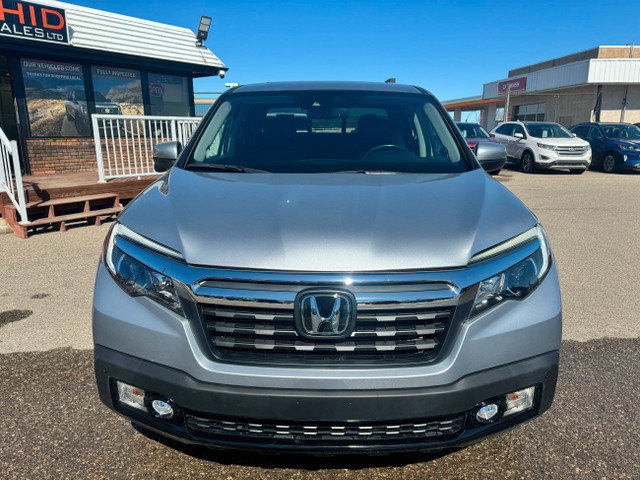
(53, 425)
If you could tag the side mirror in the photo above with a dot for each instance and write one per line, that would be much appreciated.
(518, 135)
(165, 154)
(492, 156)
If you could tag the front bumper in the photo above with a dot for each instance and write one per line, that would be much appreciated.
(630, 161)
(552, 161)
(221, 415)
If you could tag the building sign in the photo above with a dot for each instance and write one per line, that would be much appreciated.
(25, 20)
(517, 85)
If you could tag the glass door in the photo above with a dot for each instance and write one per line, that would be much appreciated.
(8, 119)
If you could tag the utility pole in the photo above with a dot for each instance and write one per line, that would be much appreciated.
(506, 104)
(626, 88)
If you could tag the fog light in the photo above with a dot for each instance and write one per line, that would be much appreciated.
(131, 396)
(487, 413)
(519, 401)
(161, 409)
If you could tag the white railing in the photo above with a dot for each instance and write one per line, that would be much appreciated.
(124, 143)
(11, 176)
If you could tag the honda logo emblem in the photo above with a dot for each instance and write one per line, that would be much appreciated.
(325, 313)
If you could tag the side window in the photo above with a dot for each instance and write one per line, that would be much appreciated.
(518, 129)
(581, 131)
(595, 134)
(210, 144)
(505, 129)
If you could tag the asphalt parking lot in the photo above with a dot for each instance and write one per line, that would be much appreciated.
(53, 425)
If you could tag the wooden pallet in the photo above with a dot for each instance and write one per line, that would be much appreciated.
(59, 211)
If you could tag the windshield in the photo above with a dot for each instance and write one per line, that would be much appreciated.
(621, 131)
(472, 130)
(328, 131)
(548, 130)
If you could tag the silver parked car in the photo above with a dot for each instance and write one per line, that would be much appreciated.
(327, 268)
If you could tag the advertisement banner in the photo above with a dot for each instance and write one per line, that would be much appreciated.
(55, 98)
(117, 91)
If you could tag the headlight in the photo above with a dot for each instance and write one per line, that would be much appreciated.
(630, 148)
(517, 281)
(547, 147)
(136, 278)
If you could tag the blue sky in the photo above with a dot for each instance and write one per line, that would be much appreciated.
(448, 47)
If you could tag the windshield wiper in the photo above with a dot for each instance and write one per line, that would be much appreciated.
(218, 167)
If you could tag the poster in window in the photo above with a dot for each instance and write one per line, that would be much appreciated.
(56, 99)
(169, 95)
(117, 91)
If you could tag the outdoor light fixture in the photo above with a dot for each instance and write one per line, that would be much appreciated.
(203, 29)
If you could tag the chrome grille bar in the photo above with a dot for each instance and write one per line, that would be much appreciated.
(249, 322)
(305, 432)
(571, 151)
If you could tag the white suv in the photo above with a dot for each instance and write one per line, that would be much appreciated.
(533, 145)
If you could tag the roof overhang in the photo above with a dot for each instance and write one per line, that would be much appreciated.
(596, 71)
(100, 36)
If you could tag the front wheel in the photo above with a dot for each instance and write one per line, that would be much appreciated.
(494, 172)
(528, 163)
(609, 163)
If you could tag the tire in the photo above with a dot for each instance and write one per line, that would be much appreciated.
(494, 172)
(609, 163)
(528, 163)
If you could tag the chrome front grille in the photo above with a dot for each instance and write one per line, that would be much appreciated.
(302, 433)
(254, 323)
(572, 151)
(405, 334)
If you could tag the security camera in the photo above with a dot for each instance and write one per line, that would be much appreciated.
(221, 74)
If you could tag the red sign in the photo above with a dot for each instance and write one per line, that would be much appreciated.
(517, 85)
(156, 90)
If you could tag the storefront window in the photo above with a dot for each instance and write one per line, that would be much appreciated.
(169, 95)
(117, 91)
(530, 113)
(56, 99)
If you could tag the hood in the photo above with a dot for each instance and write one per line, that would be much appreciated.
(625, 141)
(562, 142)
(327, 222)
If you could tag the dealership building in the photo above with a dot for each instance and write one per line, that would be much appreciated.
(60, 63)
(600, 84)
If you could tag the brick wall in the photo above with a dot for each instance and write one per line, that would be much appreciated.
(61, 155)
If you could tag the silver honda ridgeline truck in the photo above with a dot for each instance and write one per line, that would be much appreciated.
(327, 268)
